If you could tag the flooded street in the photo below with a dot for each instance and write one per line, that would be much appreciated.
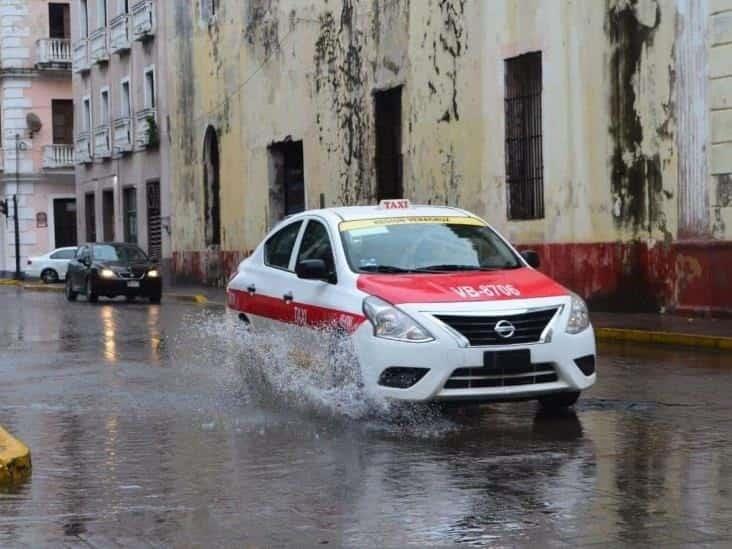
(146, 431)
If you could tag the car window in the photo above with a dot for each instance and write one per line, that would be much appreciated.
(412, 244)
(278, 249)
(316, 245)
(124, 253)
(63, 254)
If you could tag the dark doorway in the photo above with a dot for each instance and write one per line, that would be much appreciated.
(211, 188)
(388, 119)
(108, 215)
(62, 111)
(91, 218)
(287, 188)
(59, 25)
(129, 209)
(154, 234)
(64, 222)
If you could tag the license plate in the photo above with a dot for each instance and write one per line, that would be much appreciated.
(133, 284)
(519, 359)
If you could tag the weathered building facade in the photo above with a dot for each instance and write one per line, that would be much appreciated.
(36, 129)
(121, 141)
(597, 132)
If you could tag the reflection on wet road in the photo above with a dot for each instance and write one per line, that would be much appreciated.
(144, 430)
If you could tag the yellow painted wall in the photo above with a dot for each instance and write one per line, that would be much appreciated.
(266, 70)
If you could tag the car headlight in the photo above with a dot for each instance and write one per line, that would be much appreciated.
(153, 273)
(391, 323)
(579, 317)
(107, 273)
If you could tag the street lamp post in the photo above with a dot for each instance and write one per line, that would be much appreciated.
(19, 146)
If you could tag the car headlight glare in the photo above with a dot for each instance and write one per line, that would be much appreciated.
(579, 317)
(107, 273)
(391, 323)
(153, 273)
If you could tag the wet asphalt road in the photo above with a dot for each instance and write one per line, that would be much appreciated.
(144, 432)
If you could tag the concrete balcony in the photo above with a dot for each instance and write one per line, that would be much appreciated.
(81, 56)
(119, 40)
(143, 20)
(146, 129)
(98, 48)
(82, 149)
(122, 134)
(58, 156)
(102, 142)
(54, 53)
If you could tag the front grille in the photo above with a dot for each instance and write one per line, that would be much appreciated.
(478, 378)
(480, 330)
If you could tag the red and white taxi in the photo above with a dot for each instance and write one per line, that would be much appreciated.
(438, 305)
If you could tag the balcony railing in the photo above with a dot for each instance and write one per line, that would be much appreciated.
(122, 134)
(143, 20)
(81, 56)
(58, 156)
(146, 129)
(102, 142)
(98, 50)
(54, 53)
(119, 40)
(82, 149)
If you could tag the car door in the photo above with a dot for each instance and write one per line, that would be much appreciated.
(60, 260)
(77, 267)
(269, 280)
(320, 303)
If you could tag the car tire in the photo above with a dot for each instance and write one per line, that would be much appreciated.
(155, 298)
(91, 296)
(69, 291)
(559, 401)
(49, 276)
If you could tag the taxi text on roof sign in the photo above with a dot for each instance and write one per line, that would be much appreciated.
(394, 204)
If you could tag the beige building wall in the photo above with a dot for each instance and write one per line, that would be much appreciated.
(123, 159)
(620, 100)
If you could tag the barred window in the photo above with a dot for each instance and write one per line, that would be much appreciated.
(524, 154)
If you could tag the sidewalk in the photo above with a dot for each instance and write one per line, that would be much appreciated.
(669, 329)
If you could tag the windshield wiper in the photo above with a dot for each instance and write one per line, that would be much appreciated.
(456, 267)
(384, 269)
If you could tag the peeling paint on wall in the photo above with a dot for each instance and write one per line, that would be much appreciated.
(636, 175)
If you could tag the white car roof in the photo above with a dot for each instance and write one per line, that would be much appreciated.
(351, 213)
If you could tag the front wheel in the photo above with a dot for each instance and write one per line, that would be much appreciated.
(49, 276)
(70, 293)
(559, 401)
(91, 295)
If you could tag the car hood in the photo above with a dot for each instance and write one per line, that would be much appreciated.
(522, 283)
(121, 266)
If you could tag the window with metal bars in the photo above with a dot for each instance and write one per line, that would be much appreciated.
(524, 154)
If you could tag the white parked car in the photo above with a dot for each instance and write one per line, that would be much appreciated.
(52, 266)
(438, 305)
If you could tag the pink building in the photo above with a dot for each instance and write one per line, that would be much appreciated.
(36, 118)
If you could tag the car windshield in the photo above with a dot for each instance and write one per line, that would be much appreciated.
(118, 252)
(410, 244)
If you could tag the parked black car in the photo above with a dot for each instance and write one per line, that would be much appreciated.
(112, 269)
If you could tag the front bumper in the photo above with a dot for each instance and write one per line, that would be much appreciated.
(110, 287)
(445, 355)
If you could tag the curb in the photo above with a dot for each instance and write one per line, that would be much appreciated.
(8, 282)
(15, 459)
(43, 288)
(665, 338)
(189, 298)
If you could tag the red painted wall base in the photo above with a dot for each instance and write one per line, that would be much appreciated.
(686, 276)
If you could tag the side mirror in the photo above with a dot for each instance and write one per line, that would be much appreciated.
(532, 258)
(312, 269)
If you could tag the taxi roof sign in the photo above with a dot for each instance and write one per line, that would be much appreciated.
(395, 204)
